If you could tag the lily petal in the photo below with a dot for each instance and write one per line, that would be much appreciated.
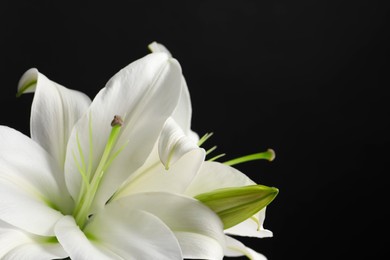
(133, 234)
(16, 244)
(235, 248)
(157, 178)
(42, 251)
(191, 221)
(215, 175)
(183, 112)
(198, 246)
(55, 110)
(158, 47)
(30, 193)
(173, 143)
(77, 245)
(144, 94)
(252, 227)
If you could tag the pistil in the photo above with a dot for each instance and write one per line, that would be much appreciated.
(82, 209)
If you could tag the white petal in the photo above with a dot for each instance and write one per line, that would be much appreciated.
(158, 47)
(133, 234)
(9, 238)
(77, 245)
(252, 227)
(173, 143)
(236, 248)
(144, 94)
(183, 112)
(41, 251)
(214, 175)
(28, 82)
(157, 178)
(15, 244)
(29, 191)
(54, 112)
(189, 219)
(198, 246)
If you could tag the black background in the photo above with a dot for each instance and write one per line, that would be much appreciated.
(306, 78)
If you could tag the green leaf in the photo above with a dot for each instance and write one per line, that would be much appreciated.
(236, 204)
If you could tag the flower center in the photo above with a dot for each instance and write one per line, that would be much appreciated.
(91, 182)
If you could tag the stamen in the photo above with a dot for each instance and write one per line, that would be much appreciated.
(117, 121)
(216, 157)
(267, 155)
(211, 150)
(205, 138)
(87, 195)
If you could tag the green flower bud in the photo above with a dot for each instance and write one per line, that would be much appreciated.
(236, 204)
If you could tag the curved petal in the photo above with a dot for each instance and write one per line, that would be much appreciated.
(55, 110)
(27, 82)
(10, 238)
(236, 248)
(183, 111)
(252, 227)
(41, 251)
(173, 143)
(77, 245)
(30, 193)
(133, 234)
(190, 220)
(144, 94)
(157, 178)
(16, 244)
(158, 47)
(198, 246)
(214, 175)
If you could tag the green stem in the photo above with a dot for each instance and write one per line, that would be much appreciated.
(267, 155)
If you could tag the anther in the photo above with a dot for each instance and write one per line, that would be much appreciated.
(117, 121)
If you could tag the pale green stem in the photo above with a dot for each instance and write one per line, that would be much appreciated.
(204, 138)
(267, 155)
(216, 157)
(212, 149)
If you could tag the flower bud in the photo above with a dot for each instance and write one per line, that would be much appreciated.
(236, 204)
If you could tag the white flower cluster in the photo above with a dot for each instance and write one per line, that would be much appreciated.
(122, 176)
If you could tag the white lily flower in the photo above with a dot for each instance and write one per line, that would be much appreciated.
(84, 189)
(214, 176)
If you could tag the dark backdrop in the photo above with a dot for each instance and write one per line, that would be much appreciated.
(306, 78)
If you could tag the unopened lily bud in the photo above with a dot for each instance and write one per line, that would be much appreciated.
(236, 204)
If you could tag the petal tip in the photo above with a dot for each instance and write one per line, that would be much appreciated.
(27, 82)
(158, 47)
